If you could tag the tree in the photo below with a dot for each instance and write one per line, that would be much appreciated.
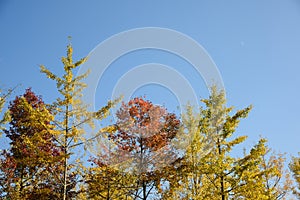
(205, 166)
(33, 154)
(71, 115)
(208, 170)
(142, 148)
(295, 168)
(267, 178)
(6, 116)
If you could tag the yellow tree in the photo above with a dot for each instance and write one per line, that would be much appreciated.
(184, 175)
(6, 116)
(268, 179)
(295, 168)
(208, 170)
(71, 115)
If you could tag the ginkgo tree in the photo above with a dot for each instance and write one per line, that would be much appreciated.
(295, 168)
(5, 118)
(71, 115)
(208, 170)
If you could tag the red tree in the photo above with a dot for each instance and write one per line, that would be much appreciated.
(30, 168)
(143, 139)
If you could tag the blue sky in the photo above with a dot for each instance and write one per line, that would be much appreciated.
(255, 45)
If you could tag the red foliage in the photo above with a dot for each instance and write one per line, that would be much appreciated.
(21, 126)
(24, 163)
(143, 130)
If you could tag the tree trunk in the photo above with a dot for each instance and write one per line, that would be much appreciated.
(221, 177)
(66, 153)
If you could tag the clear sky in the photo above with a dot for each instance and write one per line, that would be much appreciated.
(255, 45)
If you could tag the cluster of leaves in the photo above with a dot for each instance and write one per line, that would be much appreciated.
(149, 153)
(33, 154)
(6, 117)
(295, 167)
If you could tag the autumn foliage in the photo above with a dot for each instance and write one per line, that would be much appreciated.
(33, 154)
(142, 146)
(146, 153)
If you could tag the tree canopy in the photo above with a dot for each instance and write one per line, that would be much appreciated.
(146, 153)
